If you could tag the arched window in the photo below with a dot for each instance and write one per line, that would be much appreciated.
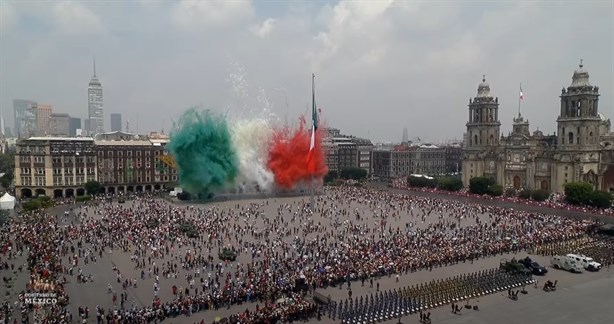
(579, 108)
(475, 139)
(570, 138)
(590, 137)
(492, 139)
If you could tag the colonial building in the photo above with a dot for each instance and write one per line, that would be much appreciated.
(60, 166)
(405, 159)
(392, 163)
(579, 151)
(342, 151)
(54, 166)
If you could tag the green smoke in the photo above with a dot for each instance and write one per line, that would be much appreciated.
(202, 146)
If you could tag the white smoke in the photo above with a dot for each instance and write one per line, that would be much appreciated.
(251, 139)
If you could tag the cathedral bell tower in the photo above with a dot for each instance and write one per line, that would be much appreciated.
(482, 137)
(579, 128)
(579, 120)
(483, 125)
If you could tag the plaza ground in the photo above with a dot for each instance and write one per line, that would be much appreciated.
(586, 297)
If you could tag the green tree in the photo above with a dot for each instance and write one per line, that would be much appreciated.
(421, 182)
(92, 187)
(600, 199)
(7, 166)
(31, 205)
(479, 185)
(540, 194)
(331, 176)
(353, 173)
(450, 183)
(524, 194)
(578, 193)
(495, 190)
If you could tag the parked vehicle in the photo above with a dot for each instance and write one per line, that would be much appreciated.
(566, 263)
(533, 266)
(513, 267)
(587, 263)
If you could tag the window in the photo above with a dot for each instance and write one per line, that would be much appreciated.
(570, 138)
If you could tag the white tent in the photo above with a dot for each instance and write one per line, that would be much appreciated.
(7, 201)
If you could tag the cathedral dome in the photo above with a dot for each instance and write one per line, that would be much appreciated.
(580, 77)
(484, 88)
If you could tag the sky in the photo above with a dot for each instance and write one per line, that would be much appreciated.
(380, 66)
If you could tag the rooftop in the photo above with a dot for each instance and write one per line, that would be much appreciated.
(51, 138)
(123, 143)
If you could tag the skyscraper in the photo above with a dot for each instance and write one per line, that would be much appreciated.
(43, 112)
(25, 117)
(116, 122)
(95, 105)
(73, 124)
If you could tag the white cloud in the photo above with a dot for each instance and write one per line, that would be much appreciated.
(388, 64)
(75, 18)
(264, 30)
(8, 17)
(189, 14)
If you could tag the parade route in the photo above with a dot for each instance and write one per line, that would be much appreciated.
(277, 238)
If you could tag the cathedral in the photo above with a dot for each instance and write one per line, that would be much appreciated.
(581, 150)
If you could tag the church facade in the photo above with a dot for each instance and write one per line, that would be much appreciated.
(581, 150)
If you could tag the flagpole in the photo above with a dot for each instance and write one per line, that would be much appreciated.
(313, 107)
(519, 99)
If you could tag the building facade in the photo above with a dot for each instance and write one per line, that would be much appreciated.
(342, 151)
(43, 112)
(25, 117)
(579, 151)
(59, 125)
(428, 159)
(60, 166)
(392, 163)
(73, 124)
(116, 122)
(95, 106)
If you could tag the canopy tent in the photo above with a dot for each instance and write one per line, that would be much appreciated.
(7, 201)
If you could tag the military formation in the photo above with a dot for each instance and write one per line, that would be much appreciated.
(425, 296)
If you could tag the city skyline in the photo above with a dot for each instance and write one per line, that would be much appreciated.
(399, 64)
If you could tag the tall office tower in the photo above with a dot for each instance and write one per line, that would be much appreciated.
(116, 122)
(73, 124)
(43, 112)
(95, 105)
(25, 117)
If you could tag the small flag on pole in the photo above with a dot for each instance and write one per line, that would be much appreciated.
(521, 93)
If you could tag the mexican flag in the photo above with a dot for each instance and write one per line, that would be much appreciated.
(311, 165)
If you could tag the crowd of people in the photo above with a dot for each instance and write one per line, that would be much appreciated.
(284, 249)
(556, 200)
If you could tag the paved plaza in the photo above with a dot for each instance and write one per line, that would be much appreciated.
(274, 228)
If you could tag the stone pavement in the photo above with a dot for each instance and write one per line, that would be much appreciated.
(533, 304)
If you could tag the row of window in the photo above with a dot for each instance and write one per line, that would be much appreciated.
(128, 153)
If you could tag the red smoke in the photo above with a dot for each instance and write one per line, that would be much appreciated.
(288, 156)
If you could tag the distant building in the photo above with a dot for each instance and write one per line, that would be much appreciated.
(60, 166)
(59, 124)
(342, 151)
(73, 124)
(95, 106)
(116, 122)
(392, 163)
(404, 159)
(43, 112)
(454, 158)
(25, 117)
(429, 159)
(581, 150)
